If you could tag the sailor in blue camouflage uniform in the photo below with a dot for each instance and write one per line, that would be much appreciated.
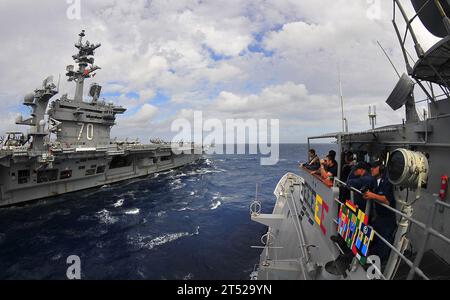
(361, 179)
(382, 219)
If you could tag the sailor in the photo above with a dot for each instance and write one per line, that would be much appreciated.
(332, 154)
(349, 164)
(361, 179)
(314, 161)
(382, 220)
(329, 167)
(328, 170)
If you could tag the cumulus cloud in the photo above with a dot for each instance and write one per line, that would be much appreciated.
(239, 58)
(142, 117)
(272, 99)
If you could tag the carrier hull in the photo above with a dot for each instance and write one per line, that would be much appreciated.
(71, 173)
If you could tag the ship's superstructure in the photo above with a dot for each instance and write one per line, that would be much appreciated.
(313, 228)
(68, 145)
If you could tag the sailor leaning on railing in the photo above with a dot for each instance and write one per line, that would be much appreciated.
(377, 188)
(327, 169)
(313, 163)
(372, 181)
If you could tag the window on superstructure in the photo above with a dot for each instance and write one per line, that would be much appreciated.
(101, 169)
(24, 176)
(81, 167)
(47, 175)
(90, 172)
(66, 174)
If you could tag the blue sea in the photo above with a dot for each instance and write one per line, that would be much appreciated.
(192, 223)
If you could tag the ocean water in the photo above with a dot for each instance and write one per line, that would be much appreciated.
(192, 223)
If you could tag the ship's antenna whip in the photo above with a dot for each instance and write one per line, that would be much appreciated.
(390, 60)
(344, 120)
(59, 81)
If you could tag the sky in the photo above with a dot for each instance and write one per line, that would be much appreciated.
(234, 59)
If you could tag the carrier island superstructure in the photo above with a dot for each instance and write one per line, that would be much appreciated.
(312, 230)
(68, 146)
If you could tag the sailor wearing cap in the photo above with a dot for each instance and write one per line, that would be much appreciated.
(361, 179)
(383, 220)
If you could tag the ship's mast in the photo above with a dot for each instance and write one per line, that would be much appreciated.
(86, 67)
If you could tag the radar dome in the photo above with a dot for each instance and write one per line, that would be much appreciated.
(29, 98)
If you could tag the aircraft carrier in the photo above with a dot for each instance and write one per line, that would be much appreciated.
(68, 146)
(316, 234)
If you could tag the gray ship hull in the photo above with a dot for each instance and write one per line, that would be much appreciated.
(298, 246)
(71, 172)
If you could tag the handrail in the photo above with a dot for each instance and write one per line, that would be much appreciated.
(413, 265)
(407, 261)
(328, 183)
(337, 223)
(299, 230)
(428, 230)
(418, 223)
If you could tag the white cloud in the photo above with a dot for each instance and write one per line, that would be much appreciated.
(142, 117)
(272, 99)
(298, 38)
(197, 53)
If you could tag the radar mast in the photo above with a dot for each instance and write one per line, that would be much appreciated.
(86, 68)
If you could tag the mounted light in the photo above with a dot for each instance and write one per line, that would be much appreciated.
(408, 169)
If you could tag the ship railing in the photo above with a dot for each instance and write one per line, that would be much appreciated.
(428, 231)
(268, 240)
(20, 149)
(298, 228)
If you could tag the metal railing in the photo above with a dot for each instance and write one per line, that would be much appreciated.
(414, 264)
(426, 227)
(305, 258)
